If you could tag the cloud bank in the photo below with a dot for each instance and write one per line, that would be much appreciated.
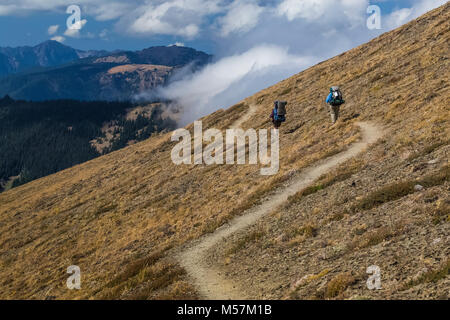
(225, 82)
(404, 15)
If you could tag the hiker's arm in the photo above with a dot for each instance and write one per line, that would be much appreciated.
(329, 98)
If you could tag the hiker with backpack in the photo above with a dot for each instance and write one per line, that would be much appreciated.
(278, 114)
(335, 100)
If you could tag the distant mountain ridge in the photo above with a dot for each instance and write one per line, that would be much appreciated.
(46, 54)
(54, 71)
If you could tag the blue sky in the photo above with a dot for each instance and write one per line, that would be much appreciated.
(27, 24)
(32, 28)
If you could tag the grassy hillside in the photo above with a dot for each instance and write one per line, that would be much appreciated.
(120, 217)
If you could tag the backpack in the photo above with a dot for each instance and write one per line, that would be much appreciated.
(281, 108)
(277, 116)
(336, 96)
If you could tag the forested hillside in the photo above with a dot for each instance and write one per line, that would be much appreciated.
(40, 138)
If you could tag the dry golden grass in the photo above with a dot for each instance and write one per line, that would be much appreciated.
(327, 180)
(400, 189)
(108, 214)
(338, 284)
(430, 276)
(251, 237)
(139, 67)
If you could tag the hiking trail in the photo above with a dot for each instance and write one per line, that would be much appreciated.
(238, 123)
(207, 279)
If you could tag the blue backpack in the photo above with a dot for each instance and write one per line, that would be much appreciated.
(277, 117)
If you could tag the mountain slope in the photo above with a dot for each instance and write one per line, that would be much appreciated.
(95, 78)
(122, 217)
(209, 282)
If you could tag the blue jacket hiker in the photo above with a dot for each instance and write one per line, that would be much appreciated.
(335, 100)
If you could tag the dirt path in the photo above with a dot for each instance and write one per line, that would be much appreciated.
(251, 111)
(209, 282)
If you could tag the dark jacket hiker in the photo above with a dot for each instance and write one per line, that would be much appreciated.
(278, 114)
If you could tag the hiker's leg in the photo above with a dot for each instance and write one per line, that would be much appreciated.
(333, 115)
(336, 112)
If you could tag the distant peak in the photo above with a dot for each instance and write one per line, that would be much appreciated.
(50, 43)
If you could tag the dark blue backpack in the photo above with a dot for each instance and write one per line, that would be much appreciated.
(277, 117)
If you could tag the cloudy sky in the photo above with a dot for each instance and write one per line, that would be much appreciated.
(255, 43)
(209, 25)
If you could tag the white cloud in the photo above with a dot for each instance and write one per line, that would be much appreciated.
(7, 9)
(241, 17)
(404, 15)
(58, 38)
(303, 9)
(53, 29)
(151, 22)
(28, 6)
(190, 18)
(75, 31)
(103, 34)
(232, 78)
(177, 44)
(323, 11)
(176, 17)
(110, 10)
(398, 17)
